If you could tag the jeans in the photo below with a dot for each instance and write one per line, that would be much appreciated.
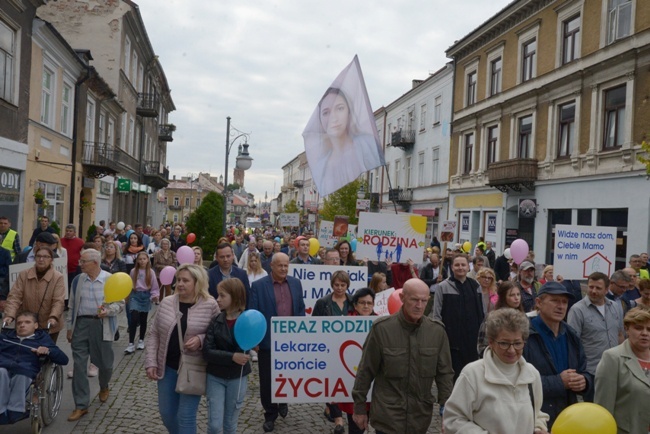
(178, 411)
(225, 399)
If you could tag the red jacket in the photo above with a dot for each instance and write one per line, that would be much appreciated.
(73, 246)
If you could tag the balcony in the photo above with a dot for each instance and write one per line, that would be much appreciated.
(154, 176)
(513, 174)
(403, 139)
(126, 162)
(298, 183)
(165, 132)
(147, 105)
(100, 159)
(175, 207)
(402, 196)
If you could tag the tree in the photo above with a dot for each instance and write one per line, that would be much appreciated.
(206, 222)
(232, 187)
(342, 202)
(291, 207)
(645, 159)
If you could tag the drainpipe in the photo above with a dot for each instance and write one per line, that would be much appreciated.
(75, 136)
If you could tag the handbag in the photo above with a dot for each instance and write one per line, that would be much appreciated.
(192, 374)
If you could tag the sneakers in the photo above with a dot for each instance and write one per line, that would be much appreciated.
(140, 345)
(93, 370)
(130, 349)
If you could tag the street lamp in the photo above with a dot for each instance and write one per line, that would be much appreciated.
(243, 162)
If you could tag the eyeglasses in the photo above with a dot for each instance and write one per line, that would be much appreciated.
(43, 257)
(83, 261)
(366, 303)
(506, 345)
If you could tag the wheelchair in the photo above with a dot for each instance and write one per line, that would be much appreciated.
(43, 397)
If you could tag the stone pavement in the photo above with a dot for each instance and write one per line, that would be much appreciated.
(132, 406)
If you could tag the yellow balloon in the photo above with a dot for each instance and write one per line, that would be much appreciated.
(584, 418)
(117, 287)
(467, 246)
(314, 245)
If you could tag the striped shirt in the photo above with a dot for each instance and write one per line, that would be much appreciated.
(92, 293)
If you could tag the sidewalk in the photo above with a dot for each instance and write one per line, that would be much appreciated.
(132, 406)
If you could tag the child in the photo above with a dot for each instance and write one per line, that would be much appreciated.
(145, 290)
(228, 365)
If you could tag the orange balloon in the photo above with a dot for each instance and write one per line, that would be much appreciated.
(394, 302)
(296, 242)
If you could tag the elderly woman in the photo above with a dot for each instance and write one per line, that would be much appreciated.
(623, 376)
(500, 393)
(41, 290)
(193, 308)
(487, 279)
(508, 295)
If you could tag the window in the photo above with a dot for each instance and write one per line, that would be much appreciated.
(187, 202)
(566, 130)
(397, 173)
(435, 165)
(66, 110)
(614, 133)
(409, 172)
(55, 199)
(525, 133)
(141, 81)
(570, 34)
(496, 66)
(437, 110)
(198, 202)
(102, 128)
(123, 132)
(175, 218)
(619, 19)
(127, 56)
(467, 155)
(389, 134)
(134, 70)
(47, 96)
(529, 63)
(110, 132)
(411, 119)
(420, 169)
(492, 141)
(7, 55)
(90, 121)
(130, 149)
(471, 88)
(423, 116)
(177, 201)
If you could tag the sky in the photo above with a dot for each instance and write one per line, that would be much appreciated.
(266, 63)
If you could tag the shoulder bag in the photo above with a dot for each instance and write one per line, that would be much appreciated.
(192, 374)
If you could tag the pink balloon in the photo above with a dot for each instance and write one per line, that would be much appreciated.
(167, 275)
(519, 250)
(185, 255)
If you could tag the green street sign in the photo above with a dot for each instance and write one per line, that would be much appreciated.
(123, 185)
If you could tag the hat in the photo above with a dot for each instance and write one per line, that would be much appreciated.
(554, 288)
(526, 265)
(46, 238)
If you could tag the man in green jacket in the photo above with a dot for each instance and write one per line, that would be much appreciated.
(403, 353)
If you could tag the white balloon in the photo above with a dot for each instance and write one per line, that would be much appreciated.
(121, 225)
(507, 254)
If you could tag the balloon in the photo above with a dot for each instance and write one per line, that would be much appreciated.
(185, 255)
(27, 249)
(519, 250)
(191, 237)
(121, 225)
(277, 239)
(117, 287)
(314, 245)
(585, 418)
(507, 254)
(353, 244)
(167, 275)
(119, 243)
(296, 242)
(236, 231)
(250, 329)
(128, 234)
(394, 302)
(467, 246)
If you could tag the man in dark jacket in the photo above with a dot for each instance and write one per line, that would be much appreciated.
(20, 365)
(556, 351)
(43, 226)
(44, 239)
(226, 270)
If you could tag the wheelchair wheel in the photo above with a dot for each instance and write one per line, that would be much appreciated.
(51, 392)
(37, 427)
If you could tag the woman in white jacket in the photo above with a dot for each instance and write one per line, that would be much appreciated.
(500, 393)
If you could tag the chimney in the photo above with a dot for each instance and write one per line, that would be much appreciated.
(415, 83)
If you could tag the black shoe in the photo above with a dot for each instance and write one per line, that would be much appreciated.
(327, 415)
(339, 429)
(268, 426)
(283, 410)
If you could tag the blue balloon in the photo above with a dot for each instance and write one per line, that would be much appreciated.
(277, 239)
(27, 248)
(250, 329)
(353, 244)
(128, 234)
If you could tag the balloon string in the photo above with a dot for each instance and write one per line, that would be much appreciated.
(241, 375)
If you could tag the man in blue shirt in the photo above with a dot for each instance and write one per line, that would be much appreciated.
(556, 351)
(226, 270)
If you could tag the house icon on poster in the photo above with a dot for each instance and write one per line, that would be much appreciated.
(594, 263)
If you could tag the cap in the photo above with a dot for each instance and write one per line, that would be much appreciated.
(555, 288)
(45, 238)
(526, 265)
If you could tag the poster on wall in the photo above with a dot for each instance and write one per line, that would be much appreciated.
(396, 236)
(491, 223)
(511, 235)
(582, 250)
(464, 222)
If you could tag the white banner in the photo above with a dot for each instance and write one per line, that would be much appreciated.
(60, 264)
(316, 359)
(289, 219)
(315, 280)
(582, 250)
(381, 301)
(325, 230)
(398, 236)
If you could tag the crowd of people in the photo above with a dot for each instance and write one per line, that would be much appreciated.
(498, 338)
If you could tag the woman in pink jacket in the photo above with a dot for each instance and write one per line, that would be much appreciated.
(195, 307)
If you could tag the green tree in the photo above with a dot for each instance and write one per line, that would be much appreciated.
(342, 202)
(291, 207)
(206, 222)
(645, 159)
(232, 187)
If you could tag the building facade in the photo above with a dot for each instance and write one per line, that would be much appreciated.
(182, 196)
(549, 113)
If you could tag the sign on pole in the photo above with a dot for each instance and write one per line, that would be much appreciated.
(582, 250)
(396, 236)
(448, 232)
(289, 219)
(326, 236)
(315, 359)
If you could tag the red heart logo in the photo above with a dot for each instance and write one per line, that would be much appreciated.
(350, 359)
(308, 310)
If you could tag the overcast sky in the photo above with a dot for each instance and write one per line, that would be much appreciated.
(266, 63)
